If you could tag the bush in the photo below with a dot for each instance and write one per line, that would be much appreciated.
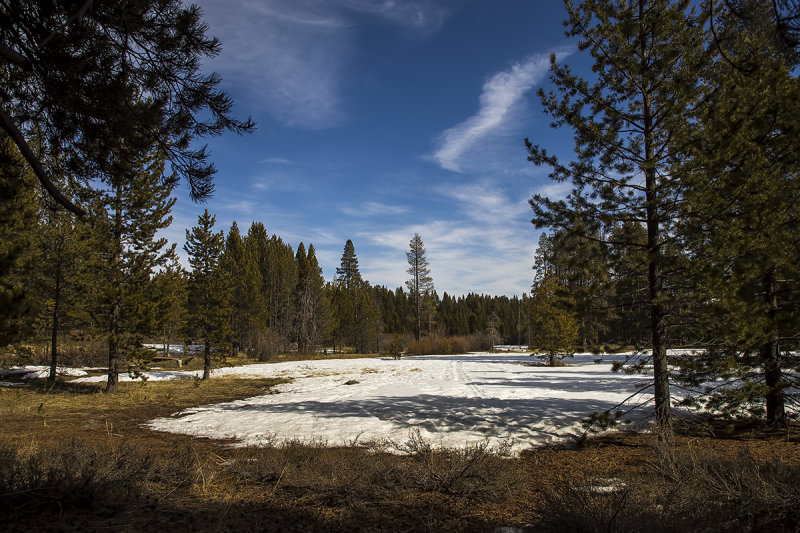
(691, 491)
(460, 471)
(263, 345)
(70, 477)
(440, 345)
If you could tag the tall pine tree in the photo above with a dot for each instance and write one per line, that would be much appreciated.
(209, 288)
(420, 285)
(646, 55)
(122, 231)
(742, 188)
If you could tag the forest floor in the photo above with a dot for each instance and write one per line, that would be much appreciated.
(75, 459)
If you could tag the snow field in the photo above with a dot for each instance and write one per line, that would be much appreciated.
(450, 400)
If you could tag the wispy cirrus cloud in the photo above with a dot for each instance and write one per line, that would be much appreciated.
(369, 209)
(276, 161)
(501, 95)
(555, 190)
(485, 241)
(293, 55)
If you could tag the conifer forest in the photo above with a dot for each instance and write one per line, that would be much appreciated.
(668, 261)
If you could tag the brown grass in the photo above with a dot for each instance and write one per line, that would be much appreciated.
(75, 459)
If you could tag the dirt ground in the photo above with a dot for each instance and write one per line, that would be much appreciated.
(75, 459)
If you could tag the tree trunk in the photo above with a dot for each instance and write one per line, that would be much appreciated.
(770, 356)
(663, 413)
(113, 365)
(114, 326)
(206, 360)
(54, 331)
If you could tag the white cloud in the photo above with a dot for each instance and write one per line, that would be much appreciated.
(368, 209)
(293, 55)
(425, 15)
(501, 94)
(555, 190)
(276, 161)
(486, 242)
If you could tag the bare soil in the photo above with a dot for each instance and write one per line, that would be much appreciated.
(73, 458)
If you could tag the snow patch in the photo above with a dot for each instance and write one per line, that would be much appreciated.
(451, 400)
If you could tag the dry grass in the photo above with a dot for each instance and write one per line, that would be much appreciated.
(75, 459)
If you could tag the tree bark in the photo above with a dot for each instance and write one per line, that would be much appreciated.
(663, 414)
(54, 330)
(113, 360)
(206, 361)
(114, 326)
(770, 356)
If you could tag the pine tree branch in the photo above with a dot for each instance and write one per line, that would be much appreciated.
(33, 161)
(14, 57)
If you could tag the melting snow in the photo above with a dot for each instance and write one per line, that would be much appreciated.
(451, 400)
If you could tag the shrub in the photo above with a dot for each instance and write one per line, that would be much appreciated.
(72, 476)
(440, 345)
(691, 491)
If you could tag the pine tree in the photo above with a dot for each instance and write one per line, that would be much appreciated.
(170, 291)
(61, 254)
(122, 232)
(627, 256)
(354, 307)
(312, 307)
(741, 220)
(18, 223)
(347, 272)
(420, 286)
(554, 330)
(646, 56)
(259, 337)
(281, 281)
(209, 288)
(249, 307)
(581, 266)
(74, 73)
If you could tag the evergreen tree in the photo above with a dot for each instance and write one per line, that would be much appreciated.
(312, 306)
(122, 232)
(73, 73)
(581, 266)
(170, 291)
(347, 272)
(741, 193)
(18, 223)
(420, 286)
(259, 338)
(281, 282)
(646, 56)
(209, 288)
(627, 256)
(554, 328)
(249, 307)
(61, 252)
(357, 315)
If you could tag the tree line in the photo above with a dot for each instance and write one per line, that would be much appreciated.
(680, 228)
(110, 277)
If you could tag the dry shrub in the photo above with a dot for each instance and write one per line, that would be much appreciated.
(70, 477)
(440, 345)
(740, 492)
(263, 345)
(690, 491)
(331, 475)
(460, 471)
(81, 350)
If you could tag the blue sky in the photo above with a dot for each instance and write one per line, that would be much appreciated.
(378, 119)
